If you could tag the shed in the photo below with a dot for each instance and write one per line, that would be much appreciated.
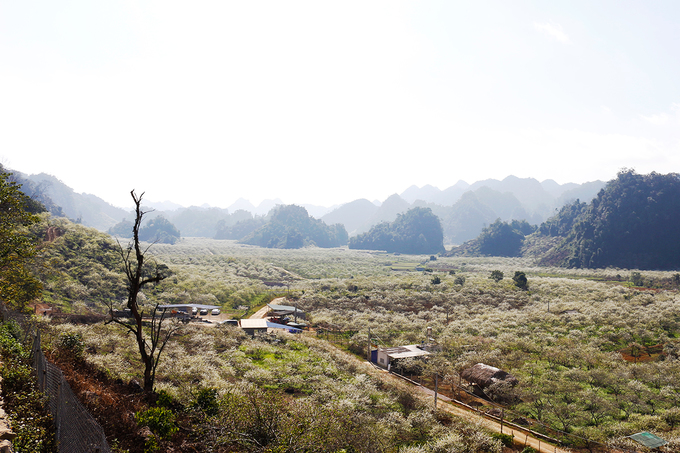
(280, 311)
(387, 355)
(251, 326)
(484, 375)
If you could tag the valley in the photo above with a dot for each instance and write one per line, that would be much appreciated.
(595, 357)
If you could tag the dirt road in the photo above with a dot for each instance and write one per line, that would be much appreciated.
(521, 436)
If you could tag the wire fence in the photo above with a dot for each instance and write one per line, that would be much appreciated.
(76, 431)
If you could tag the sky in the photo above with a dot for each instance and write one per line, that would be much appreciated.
(324, 102)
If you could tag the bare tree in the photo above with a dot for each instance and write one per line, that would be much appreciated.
(150, 333)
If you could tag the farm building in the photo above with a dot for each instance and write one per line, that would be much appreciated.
(252, 326)
(184, 311)
(280, 311)
(483, 376)
(385, 357)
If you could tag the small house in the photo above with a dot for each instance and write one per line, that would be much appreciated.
(253, 326)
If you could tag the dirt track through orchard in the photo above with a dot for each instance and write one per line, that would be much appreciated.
(521, 437)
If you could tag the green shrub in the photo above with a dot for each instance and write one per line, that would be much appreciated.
(161, 421)
(10, 344)
(25, 405)
(506, 439)
(165, 399)
(72, 344)
(529, 450)
(206, 401)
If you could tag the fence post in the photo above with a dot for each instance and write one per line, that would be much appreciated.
(57, 416)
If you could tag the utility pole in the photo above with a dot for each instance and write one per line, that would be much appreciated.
(369, 344)
(436, 389)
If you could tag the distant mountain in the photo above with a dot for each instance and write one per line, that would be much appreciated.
(387, 212)
(87, 209)
(431, 194)
(35, 192)
(463, 216)
(353, 214)
(291, 227)
(464, 210)
(465, 219)
(197, 221)
(418, 231)
(240, 229)
(162, 205)
(632, 224)
(243, 204)
(424, 193)
(318, 211)
(498, 239)
(262, 209)
(584, 192)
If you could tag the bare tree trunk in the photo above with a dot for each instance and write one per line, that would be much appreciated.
(148, 339)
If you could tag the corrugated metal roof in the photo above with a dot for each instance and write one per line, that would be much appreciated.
(274, 325)
(400, 352)
(285, 308)
(648, 440)
(257, 323)
(261, 323)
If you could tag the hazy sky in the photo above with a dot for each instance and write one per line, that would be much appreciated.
(324, 102)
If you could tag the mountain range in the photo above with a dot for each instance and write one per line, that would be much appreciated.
(463, 209)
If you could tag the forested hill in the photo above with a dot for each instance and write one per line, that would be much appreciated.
(463, 209)
(291, 227)
(632, 223)
(417, 232)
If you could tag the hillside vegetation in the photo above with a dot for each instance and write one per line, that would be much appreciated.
(463, 209)
(595, 357)
(630, 225)
(291, 227)
(416, 232)
(596, 352)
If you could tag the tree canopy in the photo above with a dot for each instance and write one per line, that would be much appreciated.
(502, 239)
(18, 246)
(418, 231)
(159, 229)
(632, 223)
(291, 227)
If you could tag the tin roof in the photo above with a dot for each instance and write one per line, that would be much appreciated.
(401, 352)
(284, 308)
(257, 323)
(261, 323)
(648, 439)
